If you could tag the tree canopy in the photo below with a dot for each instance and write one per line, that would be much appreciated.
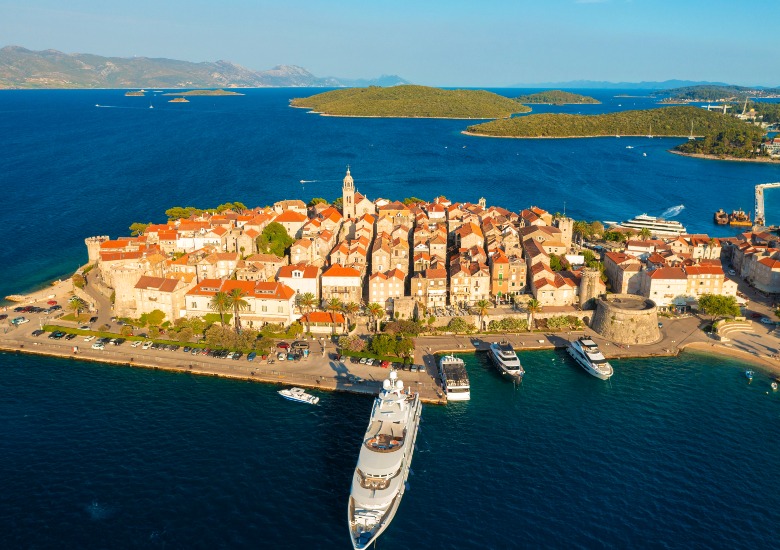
(138, 228)
(718, 306)
(274, 240)
(556, 97)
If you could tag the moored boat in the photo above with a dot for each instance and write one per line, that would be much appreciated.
(749, 374)
(657, 226)
(503, 356)
(385, 458)
(587, 354)
(454, 378)
(299, 395)
(721, 217)
(740, 218)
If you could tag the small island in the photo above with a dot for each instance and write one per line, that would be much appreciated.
(557, 97)
(205, 92)
(135, 93)
(668, 122)
(411, 101)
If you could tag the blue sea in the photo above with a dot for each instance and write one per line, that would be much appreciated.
(676, 453)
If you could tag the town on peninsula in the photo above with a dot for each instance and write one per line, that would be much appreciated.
(396, 282)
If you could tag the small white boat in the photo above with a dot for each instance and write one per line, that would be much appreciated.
(749, 374)
(629, 146)
(773, 385)
(298, 394)
(644, 154)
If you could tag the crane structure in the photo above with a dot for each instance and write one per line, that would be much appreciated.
(760, 218)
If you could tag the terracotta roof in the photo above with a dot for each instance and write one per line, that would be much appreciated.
(290, 216)
(435, 273)
(339, 271)
(307, 271)
(770, 263)
(668, 273)
(323, 317)
(157, 283)
(704, 270)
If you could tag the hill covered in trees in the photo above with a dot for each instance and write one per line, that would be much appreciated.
(556, 97)
(716, 93)
(412, 102)
(667, 121)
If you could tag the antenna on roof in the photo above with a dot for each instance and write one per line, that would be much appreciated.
(564, 209)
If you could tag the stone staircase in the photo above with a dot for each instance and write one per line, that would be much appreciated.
(730, 327)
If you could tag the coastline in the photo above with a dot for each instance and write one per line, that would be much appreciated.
(758, 361)
(732, 159)
(466, 132)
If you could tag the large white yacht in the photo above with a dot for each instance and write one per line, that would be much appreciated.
(384, 461)
(657, 226)
(503, 356)
(585, 351)
(454, 378)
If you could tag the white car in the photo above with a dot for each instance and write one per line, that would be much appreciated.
(732, 272)
(282, 357)
(136, 344)
(147, 344)
(98, 345)
(20, 321)
(89, 338)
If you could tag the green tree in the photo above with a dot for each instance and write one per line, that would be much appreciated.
(77, 304)
(138, 228)
(383, 344)
(350, 309)
(458, 325)
(557, 263)
(337, 203)
(375, 312)
(185, 334)
(409, 201)
(306, 302)
(177, 212)
(718, 306)
(533, 306)
(482, 307)
(238, 304)
(78, 280)
(274, 240)
(154, 318)
(220, 303)
(645, 233)
(317, 200)
(405, 347)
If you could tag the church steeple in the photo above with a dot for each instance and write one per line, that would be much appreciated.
(348, 196)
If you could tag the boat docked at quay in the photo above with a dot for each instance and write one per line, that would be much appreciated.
(587, 354)
(657, 226)
(503, 356)
(299, 395)
(454, 378)
(721, 217)
(385, 458)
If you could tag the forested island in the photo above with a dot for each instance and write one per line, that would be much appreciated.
(411, 101)
(668, 121)
(205, 92)
(715, 93)
(557, 97)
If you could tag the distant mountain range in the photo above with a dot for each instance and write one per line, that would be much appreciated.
(23, 68)
(601, 84)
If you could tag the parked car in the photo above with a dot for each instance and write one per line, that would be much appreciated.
(147, 344)
(251, 356)
(281, 356)
(38, 332)
(20, 321)
(70, 336)
(732, 272)
(89, 338)
(3, 317)
(384, 364)
(98, 345)
(238, 355)
(93, 320)
(283, 345)
(136, 344)
(363, 360)
(300, 345)
(369, 361)
(766, 321)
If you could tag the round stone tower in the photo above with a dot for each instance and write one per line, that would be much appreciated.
(93, 247)
(589, 287)
(626, 319)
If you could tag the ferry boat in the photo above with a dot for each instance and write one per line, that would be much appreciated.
(299, 395)
(587, 354)
(384, 461)
(740, 218)
(657, 226)
(454, 378)
(503, 356)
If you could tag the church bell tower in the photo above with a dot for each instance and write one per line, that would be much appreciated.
(348, 196)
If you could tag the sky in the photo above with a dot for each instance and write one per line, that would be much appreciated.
(432, 42)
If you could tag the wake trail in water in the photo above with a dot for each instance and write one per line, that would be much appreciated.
(673, 211)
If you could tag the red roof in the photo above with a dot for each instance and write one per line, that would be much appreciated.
(337, 270)
(290, 216)
(323, 317)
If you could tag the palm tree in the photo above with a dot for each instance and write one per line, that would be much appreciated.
(533, 306)
(307, 301)
(375, 312)
(220, 303)
(77, 304)
(237, 303)
(349, 310)
(482, 307)
(645, 233)
(334, 306)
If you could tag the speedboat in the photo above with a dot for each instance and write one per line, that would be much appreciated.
(385, 458)
(298, 394)
(749, 374)
(587, 354)
(503, 356)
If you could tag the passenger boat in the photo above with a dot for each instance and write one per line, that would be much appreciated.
(298, 394)
(385, 458)
(657, 226)
(721, 217)
(740, 218)
(454, 378)
(503, 356)
(587, 354)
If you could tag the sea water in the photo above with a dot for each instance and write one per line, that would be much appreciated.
(670, 453)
